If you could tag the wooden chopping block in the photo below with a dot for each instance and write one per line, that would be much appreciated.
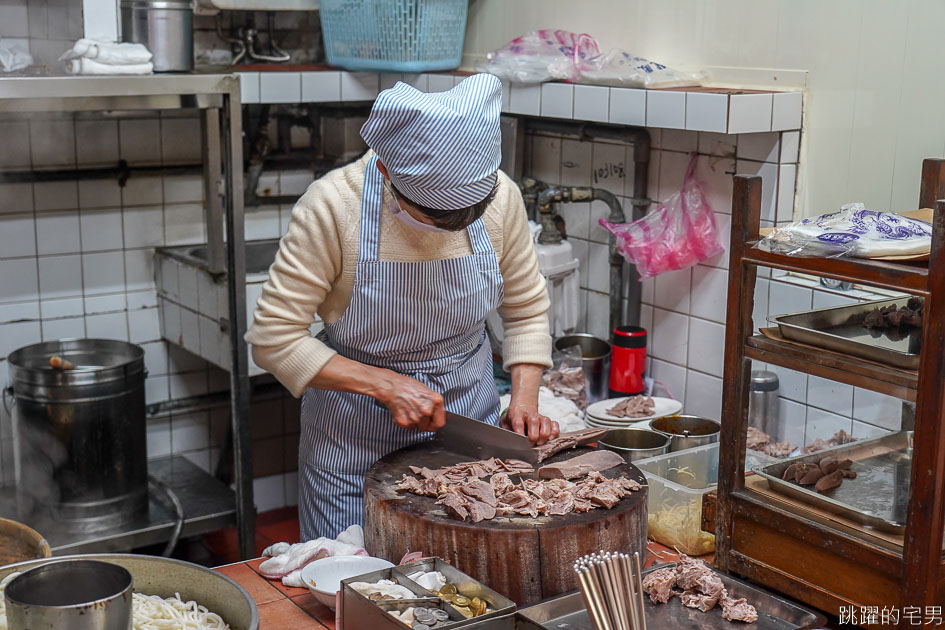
(525, 559)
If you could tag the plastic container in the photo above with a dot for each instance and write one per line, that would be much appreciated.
(394, 35)
(677, 482)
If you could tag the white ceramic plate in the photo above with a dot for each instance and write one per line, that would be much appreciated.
(608, 424)
(662, 407)
(327, 574)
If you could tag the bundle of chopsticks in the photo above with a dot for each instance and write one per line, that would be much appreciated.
(612, 586)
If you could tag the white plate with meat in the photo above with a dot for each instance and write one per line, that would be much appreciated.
(634, 408)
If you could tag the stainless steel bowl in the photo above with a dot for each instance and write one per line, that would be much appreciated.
(74, 594)
(635, 443)
(687, 431)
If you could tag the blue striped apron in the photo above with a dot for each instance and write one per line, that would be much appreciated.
(421, 319)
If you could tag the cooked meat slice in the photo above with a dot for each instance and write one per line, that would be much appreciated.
(688, 572)
(605, 496)
(789, 472)
(480, 511)
(802, 469)
(480, 491)
(710, 584)
(848, 474)
(410, 484)
(818, 444)
(875, 319)
(500, 482)
(633, 407)
(582, 505)
(813, 474)
(916, 303)
(659, 585)
(695, 599)
(581, 465)
(829, 482)
(757, 439)
(568, 440)
(828, 465)
(778, 449)
(738, 610)
(845, 464)
(561, 505)
(455, 505)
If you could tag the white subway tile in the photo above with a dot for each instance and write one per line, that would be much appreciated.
(17, 235)
(786, 113)
(183, 189)
(181, 141)
(210, 349)
(525, 99)
(717, 144)
(672, 290)
(99, 194)
(144, 325)
(319, 87)
(557, 100)
(784, 298)
(207, 297)
(55, 195)
(716, 176)
(16, 150)
(670, 337)
(16, 198)
(666, 109)
(170, 321)
(598, 267)
(262, 222)
(646, 316)
(145, 191)
(598, 314)
(825, 299)
(107, 326)
(580, 248)
(707, 112)
(59, 276)
(420, 81)
(591, 103)
(388, 80)
(864, 431)
(359, 86)
(648, 291)
(294, 182)
(576, 220)
(157, 389)
(18, 334)
(67, 307)
(679, 140)
(189, 432)
(16, 311)
(291, 488)
(139, 269)
(109, 303)
(769, 184)
(831, 395)
(627, 107)
(190, 333)
(672, 377)
(749, 113)
(723, 225)
(269, 493)
(142, 299)
(65, 328)
(546, 159)
(706, 346)
(709, 293)
(576, 163)
(52, 143)
(823, 424)
(139, 140)
(759, 313)
(280, 87)
(439, 82)
(786, 178)
(96, 142)
(599, 210)
(159, 436)
(609, 167)
(184, 224)
(249, 87)
(703, 395)
(672, 171)
(103, 272)
(168, 279)
(143, 227)
(155, 358)
(877, 409)
(790, 146)
(101, 229)
(791, 384)
(58, 232)
(187, 287)
(759, 147)
(792, 418)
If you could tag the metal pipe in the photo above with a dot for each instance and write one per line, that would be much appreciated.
(623, 282)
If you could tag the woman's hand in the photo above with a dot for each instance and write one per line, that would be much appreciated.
(412, 404)
(526, 420)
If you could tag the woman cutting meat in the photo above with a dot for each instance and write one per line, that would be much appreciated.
(403, 254)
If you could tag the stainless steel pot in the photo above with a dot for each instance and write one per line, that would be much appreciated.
(73, 594)
(165, 27)
(79, 439)
(635, 443)
(595, 362)
(687, 431)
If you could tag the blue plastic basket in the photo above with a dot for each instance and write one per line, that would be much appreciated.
(394, 35)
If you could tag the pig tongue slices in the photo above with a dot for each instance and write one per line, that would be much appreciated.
(568, 440)
(581, 465)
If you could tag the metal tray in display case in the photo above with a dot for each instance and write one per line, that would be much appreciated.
(774, 613)
(840, 328)
(879, 495)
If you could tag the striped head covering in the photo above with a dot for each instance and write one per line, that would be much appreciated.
(441, 149)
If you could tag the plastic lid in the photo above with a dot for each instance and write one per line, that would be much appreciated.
(764, 381)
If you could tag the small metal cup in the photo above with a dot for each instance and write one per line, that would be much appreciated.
(636, 443)
(687, 431)
(71, 594)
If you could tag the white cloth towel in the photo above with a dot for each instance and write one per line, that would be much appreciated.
(90, 66)
(14, 57)
(124, 54)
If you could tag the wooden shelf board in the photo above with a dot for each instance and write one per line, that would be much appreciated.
(835, 366)
(896, 276)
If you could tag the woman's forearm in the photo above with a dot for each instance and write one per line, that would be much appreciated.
(526, 379)
(341, 374)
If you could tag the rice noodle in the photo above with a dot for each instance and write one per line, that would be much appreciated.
(152, 612)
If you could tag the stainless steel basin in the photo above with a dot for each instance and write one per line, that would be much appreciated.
(259, 254)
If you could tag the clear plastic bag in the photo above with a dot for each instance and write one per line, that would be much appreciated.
(622, 69)
(853, 232)
(566, 376)
(678, 233)
(539, 56)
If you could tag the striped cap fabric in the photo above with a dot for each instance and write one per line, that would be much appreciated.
(441, 149)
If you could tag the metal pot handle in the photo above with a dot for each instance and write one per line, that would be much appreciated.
(8, 391)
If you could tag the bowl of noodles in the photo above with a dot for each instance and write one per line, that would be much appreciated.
(168, 591)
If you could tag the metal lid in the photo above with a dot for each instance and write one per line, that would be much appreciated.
(764, 381)
(180, 5)
(95, 360)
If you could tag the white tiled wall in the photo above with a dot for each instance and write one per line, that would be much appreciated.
(47, 28)
(77, 257)
(684, 311)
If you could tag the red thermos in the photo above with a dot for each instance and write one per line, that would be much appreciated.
(628, 361)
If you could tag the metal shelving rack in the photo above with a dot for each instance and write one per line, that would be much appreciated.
(217, 97)
(823, 564)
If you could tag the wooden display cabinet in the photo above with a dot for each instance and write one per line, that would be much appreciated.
(823, 562)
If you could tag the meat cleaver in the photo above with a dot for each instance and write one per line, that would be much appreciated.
(480, 440)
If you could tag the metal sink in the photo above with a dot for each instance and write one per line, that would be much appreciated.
(259, 255)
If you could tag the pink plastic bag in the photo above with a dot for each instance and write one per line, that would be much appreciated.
(678, 233)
